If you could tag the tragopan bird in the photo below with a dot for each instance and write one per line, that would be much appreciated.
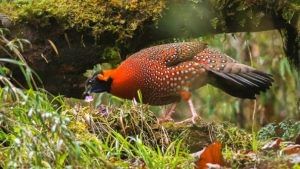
(168, 73)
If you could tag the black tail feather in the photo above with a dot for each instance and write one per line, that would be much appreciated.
(243, 84)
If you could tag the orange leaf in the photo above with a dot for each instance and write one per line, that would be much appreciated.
(211, 155)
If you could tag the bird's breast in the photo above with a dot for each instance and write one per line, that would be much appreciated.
(126, 81)
(158, 83)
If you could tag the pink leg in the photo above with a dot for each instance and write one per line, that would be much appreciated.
(193, 111)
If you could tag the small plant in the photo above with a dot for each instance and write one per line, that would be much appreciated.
(288, 130)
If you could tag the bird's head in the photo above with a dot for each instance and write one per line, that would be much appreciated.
(97, 84)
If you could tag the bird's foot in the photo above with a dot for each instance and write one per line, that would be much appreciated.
(165, 119)
(192, 119)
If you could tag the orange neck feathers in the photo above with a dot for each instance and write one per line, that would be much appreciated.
(106, 74)
(123, 84)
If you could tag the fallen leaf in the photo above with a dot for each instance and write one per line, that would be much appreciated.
(292, 152)
(291, 149)
(274, 144)
(211, 157)
(294, 158)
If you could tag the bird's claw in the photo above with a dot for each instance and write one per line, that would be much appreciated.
(164, 119)
(192, 119)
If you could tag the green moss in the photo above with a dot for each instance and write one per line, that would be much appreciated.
(121, 18)
(247, 10)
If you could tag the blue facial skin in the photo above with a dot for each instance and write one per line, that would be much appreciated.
(94, 85)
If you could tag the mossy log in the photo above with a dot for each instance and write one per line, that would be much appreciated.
(68, 38)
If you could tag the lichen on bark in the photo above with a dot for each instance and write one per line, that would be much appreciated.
(121, 18)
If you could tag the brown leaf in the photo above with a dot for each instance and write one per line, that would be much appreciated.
(291, 149)
(210, 157)
(274, 144)
(292, 152)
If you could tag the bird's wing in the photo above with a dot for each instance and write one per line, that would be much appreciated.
(181, 52)
(214, 60)
(174, 53)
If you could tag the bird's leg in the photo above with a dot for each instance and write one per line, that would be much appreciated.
(187, 97)
(193, 111)
(168, 113)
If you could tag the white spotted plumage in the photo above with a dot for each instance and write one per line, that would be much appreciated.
(161, 72)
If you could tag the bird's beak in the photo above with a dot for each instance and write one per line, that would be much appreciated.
(88, 91)
(89, 87)
(94, 85)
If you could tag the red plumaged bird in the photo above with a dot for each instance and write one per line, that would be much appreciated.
(167, 73)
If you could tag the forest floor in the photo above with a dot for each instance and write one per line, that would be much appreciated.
(56, 132)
